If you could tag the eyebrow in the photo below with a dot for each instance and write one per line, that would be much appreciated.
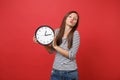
(74, 16)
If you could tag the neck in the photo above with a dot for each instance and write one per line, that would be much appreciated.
(67, 28)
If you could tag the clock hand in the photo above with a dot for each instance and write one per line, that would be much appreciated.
(48, 34)
(45, 33)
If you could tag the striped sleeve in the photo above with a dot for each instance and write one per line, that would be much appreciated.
(76, 42)
(56, 31)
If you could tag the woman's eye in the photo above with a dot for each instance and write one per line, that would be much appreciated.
(70, 16)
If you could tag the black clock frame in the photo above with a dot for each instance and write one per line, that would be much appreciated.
(41, 27)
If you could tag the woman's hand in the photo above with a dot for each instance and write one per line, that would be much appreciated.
(59, 49)
(34, 39)
(49, 48)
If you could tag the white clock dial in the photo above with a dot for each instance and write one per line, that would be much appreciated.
(44, 35)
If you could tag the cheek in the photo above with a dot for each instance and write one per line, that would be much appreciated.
(75, 22)
(67, 20)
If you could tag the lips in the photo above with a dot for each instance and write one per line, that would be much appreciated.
(71, 21)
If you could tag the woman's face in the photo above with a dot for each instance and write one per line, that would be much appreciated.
(71, 20)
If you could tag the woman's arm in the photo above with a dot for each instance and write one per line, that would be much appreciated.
(71, 53)
(59, 49)
(62, 51)
(49, 48)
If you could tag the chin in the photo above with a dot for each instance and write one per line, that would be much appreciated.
(71, 26)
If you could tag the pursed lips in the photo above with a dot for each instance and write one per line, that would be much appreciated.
(71, 21)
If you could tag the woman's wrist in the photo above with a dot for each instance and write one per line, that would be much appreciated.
(55, 47)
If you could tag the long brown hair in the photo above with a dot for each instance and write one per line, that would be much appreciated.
(62, 29)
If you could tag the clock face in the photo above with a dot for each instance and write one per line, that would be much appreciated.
(44, 35)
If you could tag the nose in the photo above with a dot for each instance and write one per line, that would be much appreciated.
(72, 19)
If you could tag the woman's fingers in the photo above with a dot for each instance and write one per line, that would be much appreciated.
(34, 39)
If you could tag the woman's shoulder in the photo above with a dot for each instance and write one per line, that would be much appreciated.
(76, 32)
(56, 30)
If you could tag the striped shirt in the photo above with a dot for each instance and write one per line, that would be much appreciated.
(63, 63)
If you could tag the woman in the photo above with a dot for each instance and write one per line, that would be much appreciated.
(66, 44)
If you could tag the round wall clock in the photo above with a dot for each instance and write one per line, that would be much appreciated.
(44, 35)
